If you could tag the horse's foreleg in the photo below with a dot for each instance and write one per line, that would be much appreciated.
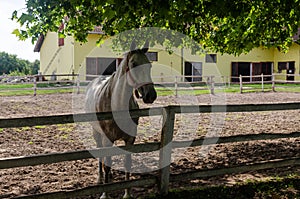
(107, 168)
(107, 174)
(98, 139)
(100, 172)
(127, 165)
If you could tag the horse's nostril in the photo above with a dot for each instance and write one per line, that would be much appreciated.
(150, 97)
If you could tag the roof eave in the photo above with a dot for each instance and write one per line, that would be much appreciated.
(39, 43)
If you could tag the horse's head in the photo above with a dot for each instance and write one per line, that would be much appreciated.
(138, 73)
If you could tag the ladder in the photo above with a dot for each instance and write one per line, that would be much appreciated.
(51, 61)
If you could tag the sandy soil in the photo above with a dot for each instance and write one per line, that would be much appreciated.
(78, 174)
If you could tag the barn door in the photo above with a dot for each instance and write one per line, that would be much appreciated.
(91, 67)
(256, 70)
(193, 69)
(197, 71)
(290, 71)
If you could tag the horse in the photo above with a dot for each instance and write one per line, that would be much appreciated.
(116, 94)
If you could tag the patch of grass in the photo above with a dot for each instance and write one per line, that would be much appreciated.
(65, 136)
(15, 93)
(40, 127)
(25, 128)
(288, 187)
(18, 130)
(65, 127)
(15, 86)
(27, 89)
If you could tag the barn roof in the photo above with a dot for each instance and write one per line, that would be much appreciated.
(39, 43)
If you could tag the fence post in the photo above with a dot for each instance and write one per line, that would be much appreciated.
(161, 77)
(208, 82)
(241, 84)
(166, 150)
(262, 82)
(176, 86)
(273, 82)
(212, 85)
(224, 81)
(34, 86)
(78, 85)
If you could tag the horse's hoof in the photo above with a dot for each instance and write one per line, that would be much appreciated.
(104, 196)
(127, 195)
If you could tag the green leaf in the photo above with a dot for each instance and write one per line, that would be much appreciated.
(25, 18)
(14, 15)
(16, 32)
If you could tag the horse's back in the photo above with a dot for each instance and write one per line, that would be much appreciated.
(94, 93)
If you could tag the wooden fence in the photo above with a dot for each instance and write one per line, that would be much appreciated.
(165, 146)
(178, 83)
(264, 80)
(38, 79)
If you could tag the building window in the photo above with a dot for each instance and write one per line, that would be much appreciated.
(211, 58)
(61, 38)
(282, 66)
(61, 41)
(290, 69)
(152, 56)
(193, 71)
(250, 69)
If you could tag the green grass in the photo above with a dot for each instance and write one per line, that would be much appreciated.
(15, 86)
(27, 89)
(30, 92)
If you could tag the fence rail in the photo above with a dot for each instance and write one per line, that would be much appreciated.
(164, 146)
(260, 79)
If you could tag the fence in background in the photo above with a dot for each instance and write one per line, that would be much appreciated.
(67, 82)
(165, 146)
(176, 84)
(267, 82)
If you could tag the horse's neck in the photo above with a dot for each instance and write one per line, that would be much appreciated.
(122, 93)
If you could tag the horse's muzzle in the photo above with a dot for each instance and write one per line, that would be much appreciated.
(148, 93)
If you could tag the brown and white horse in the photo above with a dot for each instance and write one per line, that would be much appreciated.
(116, 94)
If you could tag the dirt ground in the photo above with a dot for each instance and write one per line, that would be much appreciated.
(79, 174)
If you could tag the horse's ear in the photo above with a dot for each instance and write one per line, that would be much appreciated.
(146, 47)
(133, 45)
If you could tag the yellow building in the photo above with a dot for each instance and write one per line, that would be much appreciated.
(67, 56)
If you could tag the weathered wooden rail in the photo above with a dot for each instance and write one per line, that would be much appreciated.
(165, 146)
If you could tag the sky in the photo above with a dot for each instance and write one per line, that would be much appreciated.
(9, 42)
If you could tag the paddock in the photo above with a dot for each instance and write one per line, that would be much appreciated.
(80, 174)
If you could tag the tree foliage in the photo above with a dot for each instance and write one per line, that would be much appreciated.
(226, 26)
(10, 63)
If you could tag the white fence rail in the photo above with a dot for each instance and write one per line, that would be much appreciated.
(274, 80)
